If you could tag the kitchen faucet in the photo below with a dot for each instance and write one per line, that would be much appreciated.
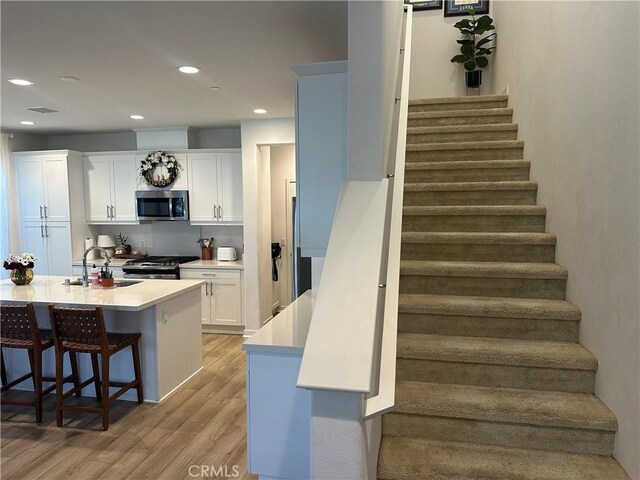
(85, 274)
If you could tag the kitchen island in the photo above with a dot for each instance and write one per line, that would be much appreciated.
(166, 312)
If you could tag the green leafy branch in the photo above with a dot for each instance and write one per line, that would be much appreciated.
(474, 50)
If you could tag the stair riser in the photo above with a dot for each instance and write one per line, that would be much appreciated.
(587, 441)
(462, 136)
(470, 197)
(467, 175)
(462, 252)
(441, 107)
(533, 378)
(471, 154)
(492, 327)
(473, 223)
(475, 120)
(484, 286)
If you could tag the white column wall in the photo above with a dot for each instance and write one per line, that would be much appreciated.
(256, 133)
(573, 82)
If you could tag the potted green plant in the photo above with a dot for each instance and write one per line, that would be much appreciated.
(474, 50)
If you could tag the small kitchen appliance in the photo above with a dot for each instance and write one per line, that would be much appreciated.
(226, 254)
(162, 205)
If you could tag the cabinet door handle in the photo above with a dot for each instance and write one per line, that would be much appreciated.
(215, 212)
(45, 211)
(208, 274)
(108, 212)
(42, 231)
(113, 212)
(41, 211)
(46, 230)
(206, 289)
(211, 288)
(219, 212)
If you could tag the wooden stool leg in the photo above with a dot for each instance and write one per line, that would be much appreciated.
(105, 390)
(135, 351)
(31, 363)
(37, 375)
(73, 359)
(3, 369)
(59, 384)
(96, 375)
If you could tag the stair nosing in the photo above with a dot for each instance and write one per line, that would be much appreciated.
(514, 270)
(495, 307)
(455, 100)
(487, 210)
(507, 185)
(466, 164)
(494, 352)
(489, 238)
(482, 127)
(480, 112)
(606, 420)
(475, 145)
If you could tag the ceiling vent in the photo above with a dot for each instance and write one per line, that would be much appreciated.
(43, 110)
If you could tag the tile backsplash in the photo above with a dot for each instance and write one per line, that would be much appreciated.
(175, 238)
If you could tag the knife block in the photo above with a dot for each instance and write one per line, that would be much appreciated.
(207, 253)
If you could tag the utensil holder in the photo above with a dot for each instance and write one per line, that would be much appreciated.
(207, 253)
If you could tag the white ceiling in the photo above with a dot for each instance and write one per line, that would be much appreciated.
(126, 54)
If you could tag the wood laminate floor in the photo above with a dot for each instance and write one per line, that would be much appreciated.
(199, 430)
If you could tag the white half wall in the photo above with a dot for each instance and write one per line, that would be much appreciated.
(579, 113)
(433, 43)
(256, 133)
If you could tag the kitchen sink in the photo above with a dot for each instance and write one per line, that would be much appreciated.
(117, 283)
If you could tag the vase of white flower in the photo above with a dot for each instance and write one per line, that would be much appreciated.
(21, 267)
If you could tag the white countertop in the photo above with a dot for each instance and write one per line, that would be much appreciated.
(287, 331)
(48, 289)
(237, 265)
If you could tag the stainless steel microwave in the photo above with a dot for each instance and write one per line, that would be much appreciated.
(162, 205)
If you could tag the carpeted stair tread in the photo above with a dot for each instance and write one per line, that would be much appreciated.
(502, 307)
(490, 127)
(469, 186)
(480, 145)
(496, 351)
(504, 405)
(496, 210)
(494, 238)
(471, 99)
(471, 165)
(462, 113)
(483, 269)
(404, 458)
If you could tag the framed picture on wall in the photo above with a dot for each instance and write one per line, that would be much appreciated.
(455, 8)
(425, 5)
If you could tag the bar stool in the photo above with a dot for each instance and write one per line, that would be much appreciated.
(19, 329)
(82, 330)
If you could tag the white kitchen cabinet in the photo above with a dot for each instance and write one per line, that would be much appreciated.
(52, 227)
(215, 188)
(51, 243)
(110, 185)
(43, 187)
(221, 296)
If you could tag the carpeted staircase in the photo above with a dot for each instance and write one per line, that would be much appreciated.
(491, 380)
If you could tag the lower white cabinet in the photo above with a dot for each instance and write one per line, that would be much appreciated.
(221, 295)
(51, 243)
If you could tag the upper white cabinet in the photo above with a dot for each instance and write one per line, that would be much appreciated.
(109, 186)
(215, 188)
(43, 187)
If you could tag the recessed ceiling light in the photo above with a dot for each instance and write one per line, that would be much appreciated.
(19, 81)
(136, 117)
(259, 110)
(27, 122)
(188, 69)
(67, 78)
(216, 89)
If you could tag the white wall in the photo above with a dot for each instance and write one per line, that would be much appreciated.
(573, 83)
(264, 232)
(98, 142)
(432, 46)
(283, 169)
(256, 133)
(374, 43)
(219, 138)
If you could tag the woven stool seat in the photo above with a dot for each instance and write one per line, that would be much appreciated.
(46, 340)
(115, 342)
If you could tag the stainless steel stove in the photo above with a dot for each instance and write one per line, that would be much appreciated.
(163, 267)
